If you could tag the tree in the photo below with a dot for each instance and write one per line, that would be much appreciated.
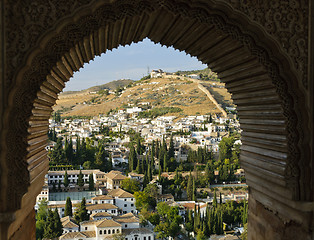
(151, 190)
(171, 148)
(80, 180)
(49, 227)
(81, 214)
(66, 179)
(189, 188)
(57, 154)
(194, 191)
(58, 228)
(68, 149)
(41, 216)
(170, 221)
(91, 185)
(101, 161)
(68, 207)
(132, 159)
(154, 218)
(144, 201)
(215, 200)
(165, 165)
(225, 148)
(53, 227)
(130, 185)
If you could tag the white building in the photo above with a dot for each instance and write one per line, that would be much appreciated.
(69, 225)
(123, 200)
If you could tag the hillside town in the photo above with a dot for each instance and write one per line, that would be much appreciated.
(142, 173)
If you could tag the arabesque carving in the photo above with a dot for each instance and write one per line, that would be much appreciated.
(79, 30)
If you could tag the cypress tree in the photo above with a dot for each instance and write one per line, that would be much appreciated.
(81, 214)
(66, 179)
(49, 227)
(194, 191)
(153, 149)
(68, 208)
(149, 173)
(165, 165)
(215, 200)
(91, 185)
(59, 186)
(171, 148)
(80, 180)
(157, 149)
(58, 228)
(189, 187)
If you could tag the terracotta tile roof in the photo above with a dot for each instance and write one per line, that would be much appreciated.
(90, 222)
(102, 197)
(108, 223)
(92, 207)
(89, 234)
(129, 231)
(71, 235)
(115, 175)
(120, 193)
(127, 218)
(56, 206)
(100, 214)
(68, 222)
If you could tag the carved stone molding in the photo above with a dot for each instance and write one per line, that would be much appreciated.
(55, 38)
(287, 21)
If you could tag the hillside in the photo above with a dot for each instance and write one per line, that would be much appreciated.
(159, 92)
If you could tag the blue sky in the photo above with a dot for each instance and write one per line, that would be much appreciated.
(131, 62)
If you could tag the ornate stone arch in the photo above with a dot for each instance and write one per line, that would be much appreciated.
(261, 76)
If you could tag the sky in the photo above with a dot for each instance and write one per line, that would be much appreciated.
(131, 62)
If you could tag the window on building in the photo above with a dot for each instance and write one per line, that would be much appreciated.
(148, 237)
(100, 232)
(108, 231)
(105, 231)
(126, 225)
(113, 231)
(125, 199)
(85, 228)
(118, 230)
(132, 205)
(144, 238)
(125, 205)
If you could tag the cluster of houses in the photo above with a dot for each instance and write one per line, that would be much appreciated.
(112, 211)
(151, 130)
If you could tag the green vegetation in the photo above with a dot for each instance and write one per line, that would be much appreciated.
(130, 185)
(81, 214)
(87, 154)
(156, 112)
(48, 224)
(68, 207)
(229, 213)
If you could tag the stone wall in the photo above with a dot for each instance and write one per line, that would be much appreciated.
(265, 224)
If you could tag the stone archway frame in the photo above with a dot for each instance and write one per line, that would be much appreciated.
(256, 71)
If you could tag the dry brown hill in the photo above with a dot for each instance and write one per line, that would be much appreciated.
(158, 92)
